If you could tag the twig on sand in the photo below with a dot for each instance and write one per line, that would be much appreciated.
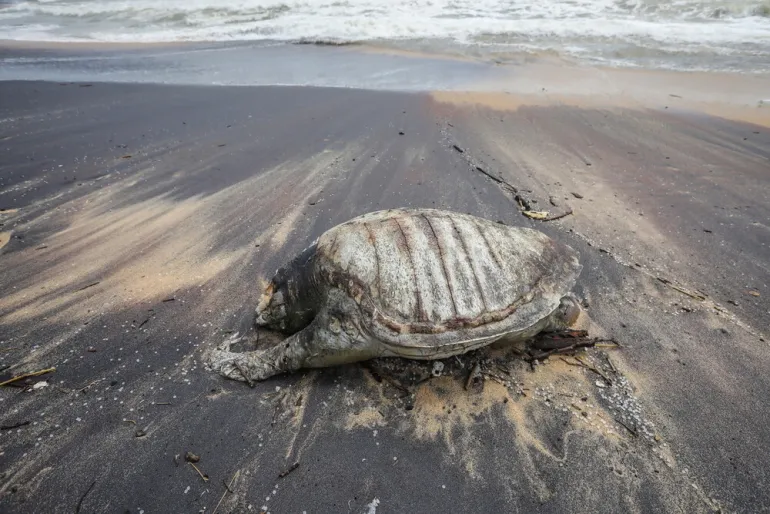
(204, 477)
(559, 216)
(583, 364)
(283, 474)
(8, 349)
(607, 343)
(495, 377)
(631, 430)
(535, 215)
(82, 498)
(89, 285)
(89, 385)
(545, 215)
(473, 375)
(227, 490)
(27, 375)
(15, 425)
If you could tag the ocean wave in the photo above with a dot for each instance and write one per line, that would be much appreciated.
(585, 28)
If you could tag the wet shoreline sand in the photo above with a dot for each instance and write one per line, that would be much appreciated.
(149, 216)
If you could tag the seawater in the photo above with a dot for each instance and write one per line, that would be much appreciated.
(681, 34)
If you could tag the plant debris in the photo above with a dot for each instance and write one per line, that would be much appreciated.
(545, 215)
(475, 377)
(27, 375)
(536, 215)
(89, 285)
(283, 474)
(204, 477)
(227, 490)
(16, 425)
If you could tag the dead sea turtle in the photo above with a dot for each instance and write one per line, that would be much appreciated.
(414, 283)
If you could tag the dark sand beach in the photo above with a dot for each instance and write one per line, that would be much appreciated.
(141, 221)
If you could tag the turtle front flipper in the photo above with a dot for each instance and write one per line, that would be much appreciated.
(331, 339)
(250, 367)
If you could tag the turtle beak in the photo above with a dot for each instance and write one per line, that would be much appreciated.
(260, 320)
(264, 302)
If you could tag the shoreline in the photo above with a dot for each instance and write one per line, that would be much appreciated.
(543, 81)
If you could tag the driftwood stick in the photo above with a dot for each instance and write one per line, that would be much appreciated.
(27, 375)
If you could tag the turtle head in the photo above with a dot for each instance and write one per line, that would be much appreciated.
(566, 314)
(271, 310)
(289, 302)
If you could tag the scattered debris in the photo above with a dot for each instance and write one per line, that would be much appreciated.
(140, 432)
(536, 215)
(559, 216)
(753, 293)
(438, 367)
(27, 375)
(204, 477)
(577, 195)
(458, 148)
(691, 294)
(86, 287)
(83, 389)
(126, 157)
(191, 457)
(552, 200)
(581, 362)
(545, 215)
(40, 385)
(283, 474)
(674, 96)
(227, 490)
(17, 425)
(172, 299)
(474, 377)
(567, 341)
(631, 430)
(400, 132)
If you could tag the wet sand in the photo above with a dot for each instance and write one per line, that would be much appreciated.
(150, 216)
